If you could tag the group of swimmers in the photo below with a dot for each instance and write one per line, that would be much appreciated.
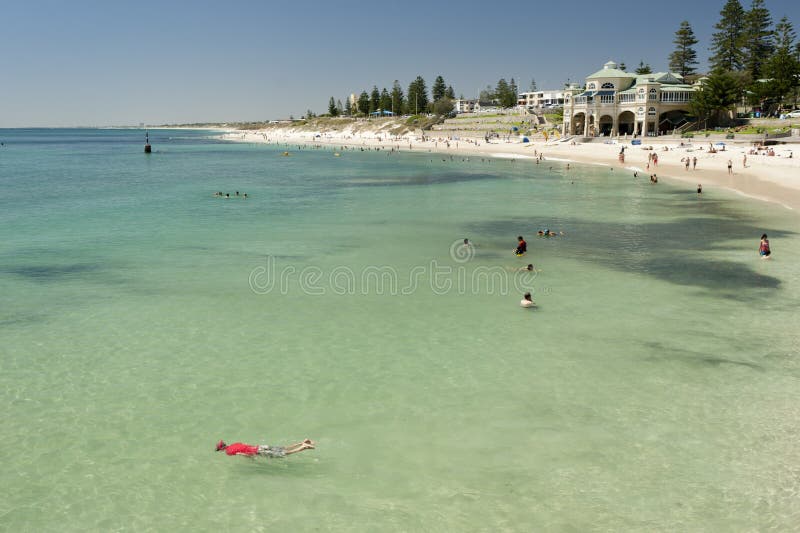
(522, 246)
(548, 233)
(521, 249)
(219, 194)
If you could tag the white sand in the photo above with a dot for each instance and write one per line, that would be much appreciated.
(768, 178)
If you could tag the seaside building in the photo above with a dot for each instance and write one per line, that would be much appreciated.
(616, 102)
(476, 106)
(464, 106)
(540, 99)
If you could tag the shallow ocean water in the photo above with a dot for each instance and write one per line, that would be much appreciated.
(654, 388)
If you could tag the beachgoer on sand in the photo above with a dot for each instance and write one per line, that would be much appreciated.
(238, 448)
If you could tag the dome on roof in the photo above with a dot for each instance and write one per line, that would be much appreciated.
(610, 65)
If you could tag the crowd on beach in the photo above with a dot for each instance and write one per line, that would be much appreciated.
(777, 168)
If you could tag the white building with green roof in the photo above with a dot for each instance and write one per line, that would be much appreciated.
(616, 102)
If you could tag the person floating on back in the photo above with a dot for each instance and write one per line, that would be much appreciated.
(238, 448)
(522, 246)
(763, 247)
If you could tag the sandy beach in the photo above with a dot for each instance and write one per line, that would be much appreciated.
(770, 178)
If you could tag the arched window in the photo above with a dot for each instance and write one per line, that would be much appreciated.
(653, 90)
(591, 86)
(607, 85)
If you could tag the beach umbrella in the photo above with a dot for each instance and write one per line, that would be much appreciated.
(720, 144)
(525, 140)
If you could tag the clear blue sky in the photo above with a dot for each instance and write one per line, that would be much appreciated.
(97, 63)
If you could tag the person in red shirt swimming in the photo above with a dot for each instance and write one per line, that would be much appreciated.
(238, 448)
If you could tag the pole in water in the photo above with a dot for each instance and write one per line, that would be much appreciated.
(147, 142)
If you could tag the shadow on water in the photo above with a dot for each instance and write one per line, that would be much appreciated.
(21, 320)
(52, 272)
(418, 179)
(280, 467)
(696, 358)
(675, 251)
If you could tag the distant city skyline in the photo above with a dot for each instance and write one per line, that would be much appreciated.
(92, 63)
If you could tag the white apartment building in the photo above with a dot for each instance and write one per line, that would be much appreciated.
(541, 99)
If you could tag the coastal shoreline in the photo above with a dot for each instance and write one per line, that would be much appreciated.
(774, 179)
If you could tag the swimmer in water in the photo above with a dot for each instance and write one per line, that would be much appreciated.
(528, 268)
(238, 448)
(527, 301)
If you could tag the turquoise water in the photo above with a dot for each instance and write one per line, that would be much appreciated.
(655, 387)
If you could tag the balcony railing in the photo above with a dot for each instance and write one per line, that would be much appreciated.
(666, 98)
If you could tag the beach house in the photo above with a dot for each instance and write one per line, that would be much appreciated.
(476, 106)
(540, 99)
(615, 102)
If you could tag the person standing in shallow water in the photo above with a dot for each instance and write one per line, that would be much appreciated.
(522, 246)
(763, 247)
